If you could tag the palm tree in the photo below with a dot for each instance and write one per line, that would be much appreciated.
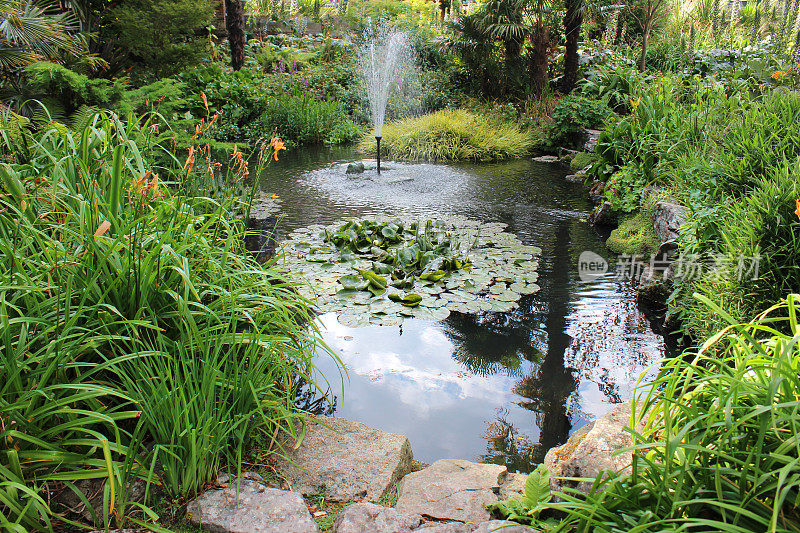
(573, 18)
(234, 23)
(29, 32)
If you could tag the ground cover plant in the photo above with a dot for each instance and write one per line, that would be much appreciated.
(718, 448)
(451, 135)
(139, 340)
(377, 272)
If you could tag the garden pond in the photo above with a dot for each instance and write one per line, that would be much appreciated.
(494, 387)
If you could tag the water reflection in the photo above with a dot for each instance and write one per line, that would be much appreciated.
(498, 388)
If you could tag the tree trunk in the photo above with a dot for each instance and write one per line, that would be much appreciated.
(234, 22)
(539, 68)
(572, 31)
(645, 42)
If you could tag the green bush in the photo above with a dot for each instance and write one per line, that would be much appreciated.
(131, 313)
(571, 116)
(716, 444)
(451, 135)
(162, 35)
(65, 91)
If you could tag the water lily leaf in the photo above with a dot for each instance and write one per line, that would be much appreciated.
(381, 268)
(436, 275)
(409, 300)
(353, 282)
(440, 313)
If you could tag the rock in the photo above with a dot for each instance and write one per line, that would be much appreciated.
(591, 140)
(348, 460)
(361, 517)
(668, 217)
(603, 214)
(546, 159)
(596, 192)
(503, 526)
(513, 486)
(578, 177)
(259, 510)
(354, 168)
(591, 449)
(451, 489)
(446, 527)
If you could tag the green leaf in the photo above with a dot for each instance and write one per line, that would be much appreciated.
(353, 282)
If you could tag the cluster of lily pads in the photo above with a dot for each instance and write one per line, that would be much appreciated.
(378, 272)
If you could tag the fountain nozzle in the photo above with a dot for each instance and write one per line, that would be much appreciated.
(378, 155)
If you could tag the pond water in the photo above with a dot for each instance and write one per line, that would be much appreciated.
(501, 388)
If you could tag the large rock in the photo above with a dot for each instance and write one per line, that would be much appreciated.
(451, 489)
(347, 460)
(502, 526)
(668, 217)
(361, 517)
(592, 137)
(258, 509)
(591, 450)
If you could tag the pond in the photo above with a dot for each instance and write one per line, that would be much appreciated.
(500, 388)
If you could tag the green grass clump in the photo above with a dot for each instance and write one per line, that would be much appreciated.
(634, 236)
(138, 339)
(451, 135)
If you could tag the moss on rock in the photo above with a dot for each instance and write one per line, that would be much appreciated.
(634, 235)
(582, 160)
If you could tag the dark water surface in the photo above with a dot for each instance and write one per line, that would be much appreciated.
(498, 388)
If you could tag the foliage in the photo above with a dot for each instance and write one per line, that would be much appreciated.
(451, 135)
(571, 116)
(161, 35)
(132, 314)
(377, 272)
(64, 91)
(634, 236)
(719, 440)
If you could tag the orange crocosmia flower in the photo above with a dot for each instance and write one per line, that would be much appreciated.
(275, 196)
(778, 74)
(635, 103)
(139, 183)
(190, 159)
(205, 100)
(797, 210)
(102, 228)
(277, 145)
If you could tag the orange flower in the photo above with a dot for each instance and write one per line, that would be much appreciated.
(154, 127)
(797, 211)
(635, 103)
(275, 196)
(205, 100)
(190, 160)
(778, 75)
(241, 164)
(277, 145)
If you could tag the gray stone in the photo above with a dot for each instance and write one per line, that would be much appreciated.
(347, 460)
(668, 217)
(355, 168)
(502, 526)
(578, 177)
(546, 159)
(591, 140)
(361, 517)
(259, 509)
(446, 527)
(603, 214)
(590, 450)
(513, 486)
(451, 489)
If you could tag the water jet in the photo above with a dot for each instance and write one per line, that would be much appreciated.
(378, 151)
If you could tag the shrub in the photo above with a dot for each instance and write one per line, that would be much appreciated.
(451, 135)
(571, 116)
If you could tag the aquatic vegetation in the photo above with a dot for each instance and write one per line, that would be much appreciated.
(451, 135)
(377, 272)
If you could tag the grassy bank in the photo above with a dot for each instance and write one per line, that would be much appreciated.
(451, 135)
(139, 339)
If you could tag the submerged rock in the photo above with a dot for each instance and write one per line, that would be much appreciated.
(346, 460)
(355, 168)
(258, 509)
(452, 489)
(591, 450)
(546, 159)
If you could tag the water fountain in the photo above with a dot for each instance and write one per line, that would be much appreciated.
(384, 59)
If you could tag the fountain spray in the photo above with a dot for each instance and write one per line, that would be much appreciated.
(385, 58)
